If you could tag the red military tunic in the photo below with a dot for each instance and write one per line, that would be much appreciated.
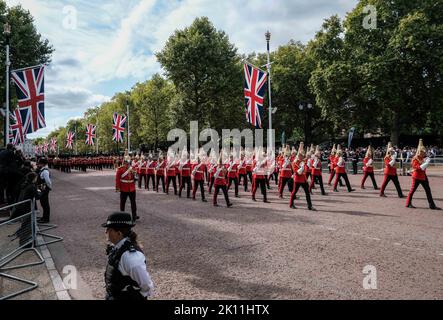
(186, 169)
(316, 168)
(220, 176)
(286, 169)
(160, 169)
(170, 170)
(390, 170)
(242, 167)
(340, 168)
(299, 178)
(151, 167)
(367, 168)
(125, 179)
(232, 173)
(199, 172)
(418, 173)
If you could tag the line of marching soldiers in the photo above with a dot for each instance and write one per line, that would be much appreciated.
(79, 163)
(291, 169)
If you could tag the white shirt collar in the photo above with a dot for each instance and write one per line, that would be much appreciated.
(120, 243)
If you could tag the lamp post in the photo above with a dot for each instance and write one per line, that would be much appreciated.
(307, 109)
(7, 33)
(270, 142)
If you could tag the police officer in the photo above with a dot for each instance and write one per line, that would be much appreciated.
(126, 276)
(45, 185)
(355, 159)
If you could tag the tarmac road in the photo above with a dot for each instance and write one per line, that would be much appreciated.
(256, 250)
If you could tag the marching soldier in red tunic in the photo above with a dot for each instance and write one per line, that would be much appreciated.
(170, 173)
(150, 172)
(259, 176)
(160, 172)
(125, 184)
(221, 183)
(340, 171)
(419, 177)
(199, 177)
(249, 165)
(391, 172)
(242, 172)
(299, 168)
(316, 171)
(142, 172)
(368, 168)
(233, 174)
(185, 174)
(332, 164)
(285, 173)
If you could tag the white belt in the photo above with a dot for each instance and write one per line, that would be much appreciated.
(127, 181)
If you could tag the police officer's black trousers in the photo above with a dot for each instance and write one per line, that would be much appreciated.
(235, 180)
(245, 180)
(44, 202)
(168, 183)
(185, 180)
(123, 197)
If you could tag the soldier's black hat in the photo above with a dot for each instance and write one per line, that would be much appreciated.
(119, 220)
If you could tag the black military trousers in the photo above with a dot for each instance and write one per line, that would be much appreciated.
(162, 179)
(168, 183)
(123, 197)
(225, 193)
(149, 177)
(394, 179)
(415, 184)
(245, 180)
(187, 181)
(235, 180)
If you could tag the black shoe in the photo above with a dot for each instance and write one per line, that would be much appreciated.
(324, 194)
(352, 190)
(237, 196)
(216, 205)
(292, 206)
(383, 195)
(435, 208)
(266, 201)
(376, 188)
(230, 205)
(401, 196)
(253, 199)
(410, 206)
(42, 220)
(312, 209)
(335, 190)
(362, 187)
(136, 218)
(204, 200)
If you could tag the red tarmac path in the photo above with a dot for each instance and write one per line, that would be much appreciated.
(256, 250)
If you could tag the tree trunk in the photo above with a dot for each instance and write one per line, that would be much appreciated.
(395, 130)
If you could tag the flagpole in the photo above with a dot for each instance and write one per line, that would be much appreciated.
(129, 134)
(96, 134)
(75, 128)
(268, 38)
(7, 32)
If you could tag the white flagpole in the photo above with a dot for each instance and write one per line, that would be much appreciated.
(96, 134)
(129, 132)
(7, 32)
(268, 38)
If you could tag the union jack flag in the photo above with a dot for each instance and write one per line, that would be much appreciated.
(90, 134)
(118, 127)
(17, 136)
(53, 144)
(45, 147)
(70, 139)
(255, 88)
(31, 97)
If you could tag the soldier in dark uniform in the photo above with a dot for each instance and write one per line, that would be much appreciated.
(355, 159)
(126, 276)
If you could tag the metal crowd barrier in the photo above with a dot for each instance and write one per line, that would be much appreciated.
(18, 236)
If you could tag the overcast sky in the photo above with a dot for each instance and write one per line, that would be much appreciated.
(112, 44)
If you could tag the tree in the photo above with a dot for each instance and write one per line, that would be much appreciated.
(153, 100)
(27, 46)
(205, 69)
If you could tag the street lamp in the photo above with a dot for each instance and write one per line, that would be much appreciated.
(7, 33)
(270, 142)
(306, 107)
